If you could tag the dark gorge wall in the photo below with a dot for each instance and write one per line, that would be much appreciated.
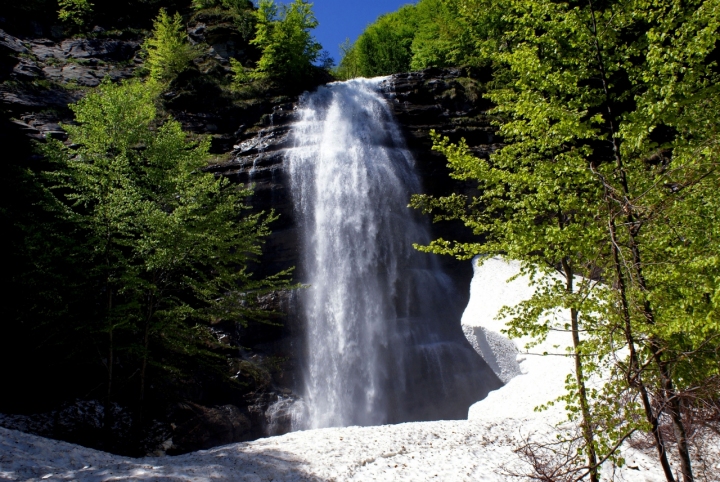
(445, 100)
(448, 101)
(39, 77)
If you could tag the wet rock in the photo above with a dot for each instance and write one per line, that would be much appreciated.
(81, 75)
(18, 100)
(57, 31)
(284, 415)
(103, 49)
(26, 69)
(447, 100)
(12, 44)
(85, 75)
(45, 50)
(28, 130)
(197, 32)
(80, 422)
(198, 427)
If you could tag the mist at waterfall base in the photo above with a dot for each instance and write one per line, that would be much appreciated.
(383, 337)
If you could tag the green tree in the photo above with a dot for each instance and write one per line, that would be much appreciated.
(167, 51)
(234, 5)
(348, 67)
(485, 24)
(385, 46)
(168, 244)
(616, 100)
(431, 33)
(287, 46)
(529, 210)
(75, 12)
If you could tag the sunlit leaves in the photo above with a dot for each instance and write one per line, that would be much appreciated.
(169, 243)
(283, 36)
(168, 51)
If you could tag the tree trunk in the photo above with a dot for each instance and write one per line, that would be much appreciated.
(580, 379)
(107, 407)
(635, 375)
(143, 367)
(671, 400)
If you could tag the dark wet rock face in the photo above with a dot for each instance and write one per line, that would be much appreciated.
(79, 421)
(40, 77)
(197, 427)
(448, 101)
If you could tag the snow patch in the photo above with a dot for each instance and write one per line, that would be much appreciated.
(478, 449)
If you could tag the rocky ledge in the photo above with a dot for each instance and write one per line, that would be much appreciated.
(448, 101)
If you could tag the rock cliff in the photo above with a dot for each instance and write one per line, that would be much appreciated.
(448, 101)
(40, 77)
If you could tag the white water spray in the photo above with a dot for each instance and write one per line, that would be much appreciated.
(381, 344)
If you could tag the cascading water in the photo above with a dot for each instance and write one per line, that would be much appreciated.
(384, 343)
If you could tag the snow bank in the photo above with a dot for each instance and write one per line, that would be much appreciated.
(478, 449)
(531, 379)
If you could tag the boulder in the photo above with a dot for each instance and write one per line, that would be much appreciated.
(103, 49)
(26, 69)
(12, 44)
(198, 427)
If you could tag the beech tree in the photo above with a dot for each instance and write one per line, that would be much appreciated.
(75, 12)
(168, 243)
(609, 114)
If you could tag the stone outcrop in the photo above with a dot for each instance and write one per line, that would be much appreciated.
(445, 100)
(197, 427)
(448, 101)
(41, 77)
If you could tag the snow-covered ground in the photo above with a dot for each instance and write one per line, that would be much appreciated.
(477, 449)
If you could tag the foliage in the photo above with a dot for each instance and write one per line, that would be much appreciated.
(384, 47)
(287, 46)
(29, 17)
(241, 75)
(609, 111)
(349, 67)
(75, 12)
(234, 5)
(168, 245)
(431, 33)
(528, 209)
(442, 38)
(167, 50)
(486, 24)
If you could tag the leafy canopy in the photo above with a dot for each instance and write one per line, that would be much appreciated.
(167, 51)
(430, 33)
(168, 244)
(609, 115)
(234, 5)
(283, 36)
(75, 12)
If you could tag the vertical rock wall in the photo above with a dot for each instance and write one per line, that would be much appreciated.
(41, 77)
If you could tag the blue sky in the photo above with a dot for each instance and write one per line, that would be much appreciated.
(340, 19)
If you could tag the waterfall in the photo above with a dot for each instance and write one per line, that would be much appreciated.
(383, 337)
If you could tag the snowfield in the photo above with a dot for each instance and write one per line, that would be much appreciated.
(478, 449)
